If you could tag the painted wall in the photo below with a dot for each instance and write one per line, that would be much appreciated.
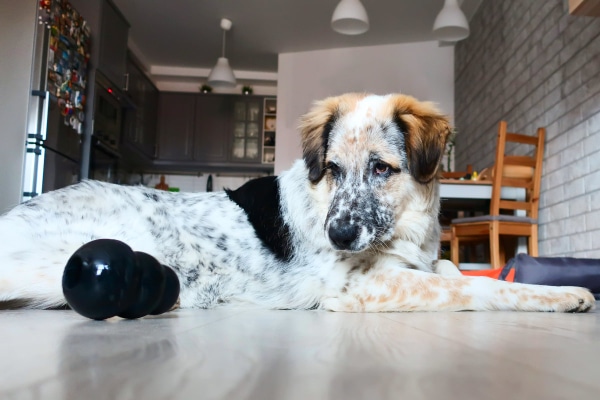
(532, 64)
(423, 70)
(18, 21)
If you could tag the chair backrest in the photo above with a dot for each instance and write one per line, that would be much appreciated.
(518, 171)
(457, 174)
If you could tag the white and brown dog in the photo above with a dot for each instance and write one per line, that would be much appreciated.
(351, 227)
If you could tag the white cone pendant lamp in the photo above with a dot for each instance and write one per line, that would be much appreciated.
(222, 74)
(350, 18)
(451, 25)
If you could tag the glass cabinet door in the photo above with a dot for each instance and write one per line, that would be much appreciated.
(246, 130)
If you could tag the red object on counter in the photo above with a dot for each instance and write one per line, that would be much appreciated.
(162, 185)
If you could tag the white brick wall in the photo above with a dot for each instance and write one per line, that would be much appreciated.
(532, 64)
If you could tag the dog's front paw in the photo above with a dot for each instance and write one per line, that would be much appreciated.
(339, 305)
(574, 300)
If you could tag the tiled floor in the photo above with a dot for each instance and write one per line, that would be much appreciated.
(257, 354)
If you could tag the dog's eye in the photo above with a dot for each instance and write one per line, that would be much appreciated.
(335, 169)
(382, 169)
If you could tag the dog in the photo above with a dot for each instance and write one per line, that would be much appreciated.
(352, 226)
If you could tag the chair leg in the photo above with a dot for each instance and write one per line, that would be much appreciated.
(532, 245)
(454, 247)
(494, 245)
(502, 254)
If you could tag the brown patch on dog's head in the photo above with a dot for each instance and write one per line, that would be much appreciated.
(426, 131)
(315, 127)
(424, 128)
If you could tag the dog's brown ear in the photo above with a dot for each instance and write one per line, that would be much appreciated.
(426, 132)
(315, 127)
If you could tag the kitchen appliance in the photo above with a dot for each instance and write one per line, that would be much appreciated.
(56, 108)
(109, 105)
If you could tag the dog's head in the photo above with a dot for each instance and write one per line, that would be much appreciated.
(373, 153)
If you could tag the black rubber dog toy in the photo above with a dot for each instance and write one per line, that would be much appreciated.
(105, 277)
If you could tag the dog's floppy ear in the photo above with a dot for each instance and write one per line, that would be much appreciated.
(315, 127)
(426, 132)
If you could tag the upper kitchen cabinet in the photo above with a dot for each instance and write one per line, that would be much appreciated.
(212, 127)
(175, 128)
(246, 130)
(114, 30)
(141, 117)
(210, 132)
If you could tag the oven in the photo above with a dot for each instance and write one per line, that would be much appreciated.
(109, 110)
(104, 162)
(108, 113)
(108, 125)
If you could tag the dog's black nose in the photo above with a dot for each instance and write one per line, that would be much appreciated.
(342, 236)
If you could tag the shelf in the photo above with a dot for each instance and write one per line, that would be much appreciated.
(268, 139)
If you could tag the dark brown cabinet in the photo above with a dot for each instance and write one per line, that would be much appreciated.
(210, 132)
(246, 130)
(141, 116)
(175, 127)
(211, 128)
(114, 30)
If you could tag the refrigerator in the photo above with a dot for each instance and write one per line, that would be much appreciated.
(56, 114)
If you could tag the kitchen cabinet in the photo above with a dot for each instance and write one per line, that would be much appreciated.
(210, 132)
(175, 127)
(211, 128)
(114, 30)
(141, 117)
(246, 130)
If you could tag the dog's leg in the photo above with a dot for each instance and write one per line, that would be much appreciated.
(389, 288)
(446, 268)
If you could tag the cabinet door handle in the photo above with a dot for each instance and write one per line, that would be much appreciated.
(126, 88)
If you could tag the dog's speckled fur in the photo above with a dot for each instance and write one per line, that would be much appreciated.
(352, 227)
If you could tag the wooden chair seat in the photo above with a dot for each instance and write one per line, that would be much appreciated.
(486, 218)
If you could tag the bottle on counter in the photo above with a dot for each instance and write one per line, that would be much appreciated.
(162, 185)
(209, 184)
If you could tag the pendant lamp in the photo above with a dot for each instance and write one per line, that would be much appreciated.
(222, 74)
(350, 18)
(451, 25)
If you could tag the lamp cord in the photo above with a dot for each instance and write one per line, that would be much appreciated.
(224, 33)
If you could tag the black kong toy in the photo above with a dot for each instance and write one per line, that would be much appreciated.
(105, 277)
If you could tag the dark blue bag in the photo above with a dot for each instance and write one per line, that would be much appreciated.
(555, 271)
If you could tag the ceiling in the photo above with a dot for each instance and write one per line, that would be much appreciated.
(187, 34)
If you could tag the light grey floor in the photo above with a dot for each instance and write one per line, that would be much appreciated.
(257, 354)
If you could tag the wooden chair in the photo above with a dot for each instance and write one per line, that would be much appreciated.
(508, 171)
